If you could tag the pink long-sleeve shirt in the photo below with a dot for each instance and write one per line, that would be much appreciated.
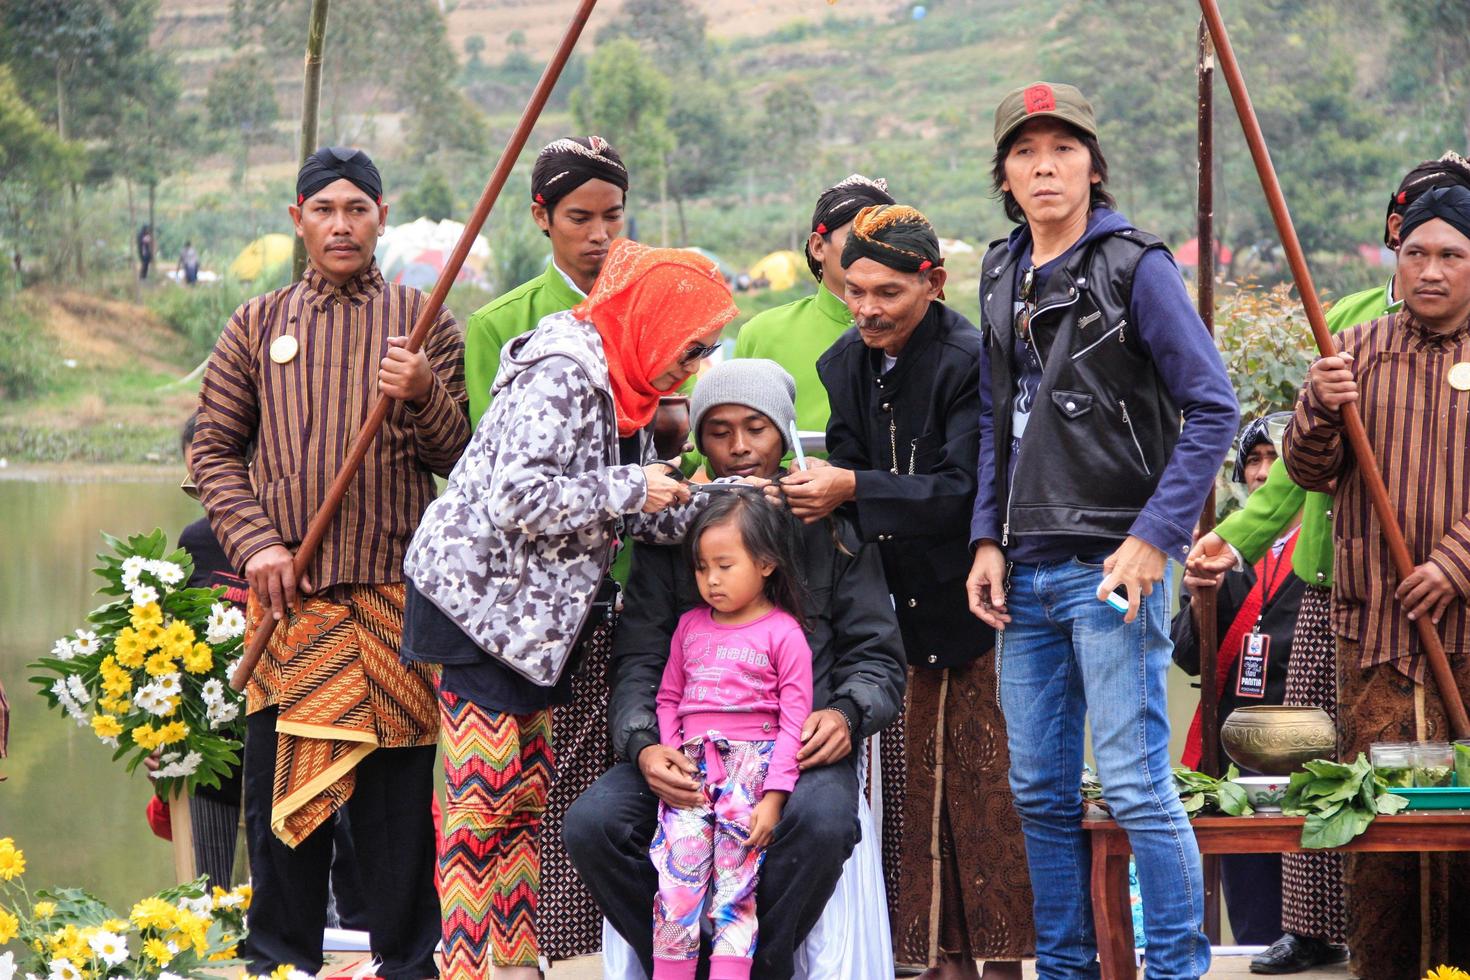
(751, 682)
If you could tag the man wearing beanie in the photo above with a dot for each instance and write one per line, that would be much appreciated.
(904, 389)
(738, 416)
(578, 188)
(1313, 917)
(1409, 374)
(1088, 485)
(334, 719)
(796, 334)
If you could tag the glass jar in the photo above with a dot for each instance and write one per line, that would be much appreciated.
(1462, 762)
(1434, 764)
(1394, 763)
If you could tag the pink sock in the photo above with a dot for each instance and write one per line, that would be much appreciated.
(678, 969)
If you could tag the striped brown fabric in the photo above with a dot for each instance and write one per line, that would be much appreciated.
(302, 415)
(1419, 427)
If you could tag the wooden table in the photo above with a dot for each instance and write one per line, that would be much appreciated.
(1419, 830)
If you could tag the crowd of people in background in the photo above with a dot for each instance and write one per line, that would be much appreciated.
(706, 712)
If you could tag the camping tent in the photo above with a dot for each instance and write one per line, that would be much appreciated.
(781, 269)
(261, 257)
(415, 253)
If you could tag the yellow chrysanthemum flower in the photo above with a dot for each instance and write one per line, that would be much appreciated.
(43, 910)
(151, 636)
(117, 706)
(1447, 973)
(116, 925)
(228, 953)
(199, 659)
(146, 737)
(149, 615)
(129, 648)
(282, 972)
(157, 950)
(245, 892)
(9, 926)
(159, 664)
(179, 632)
(174, 731)
(153, 913)
(12, 859)
(117, 687)
(106, 726)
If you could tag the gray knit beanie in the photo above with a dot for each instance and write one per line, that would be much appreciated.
(754, 382)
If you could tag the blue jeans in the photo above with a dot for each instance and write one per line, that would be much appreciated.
(1064, 653)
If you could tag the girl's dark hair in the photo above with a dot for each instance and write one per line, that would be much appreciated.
(1100, 196)
(767, 534)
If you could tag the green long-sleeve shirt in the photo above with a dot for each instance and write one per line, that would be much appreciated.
(794, 336)
(502, 320)
(1268, 511)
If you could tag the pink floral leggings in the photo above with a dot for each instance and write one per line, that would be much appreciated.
(706, 844)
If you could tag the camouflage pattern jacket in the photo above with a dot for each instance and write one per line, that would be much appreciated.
(514, 549)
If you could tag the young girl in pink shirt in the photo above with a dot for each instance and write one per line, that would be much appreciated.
(735, 693)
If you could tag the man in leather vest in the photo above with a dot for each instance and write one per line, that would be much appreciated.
(1087, 485)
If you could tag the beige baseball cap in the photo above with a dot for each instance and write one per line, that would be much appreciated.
(1042, 99)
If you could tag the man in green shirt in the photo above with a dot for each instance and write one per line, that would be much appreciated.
(578, 189)
(796, 334)
(1312, 910)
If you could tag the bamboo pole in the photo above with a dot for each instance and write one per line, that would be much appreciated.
(311, 98)
(317, 529)
(1352, 422)
(1204, 602)
(181, 830)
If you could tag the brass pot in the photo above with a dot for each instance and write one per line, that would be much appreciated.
(1275, 739)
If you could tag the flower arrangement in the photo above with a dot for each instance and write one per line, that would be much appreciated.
(183, 933)
(152, 671)
(1447, 973)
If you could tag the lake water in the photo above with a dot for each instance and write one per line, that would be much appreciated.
(78, 815)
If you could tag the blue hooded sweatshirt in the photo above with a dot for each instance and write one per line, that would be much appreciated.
(1190, 369)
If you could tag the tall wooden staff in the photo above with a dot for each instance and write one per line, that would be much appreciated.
(1352, 422)
(317, 529)
(1203, 602)
(311, 98)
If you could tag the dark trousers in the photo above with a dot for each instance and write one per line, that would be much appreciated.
(392, 831)
(1252, 884)
(608, 830)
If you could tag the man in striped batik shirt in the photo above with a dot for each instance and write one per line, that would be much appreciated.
(1409, 373)
(334, 719)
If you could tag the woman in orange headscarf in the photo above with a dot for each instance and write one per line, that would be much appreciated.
(507, 571)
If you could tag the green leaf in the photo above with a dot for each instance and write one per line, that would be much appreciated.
(1233, 801)
(1333, 831)
(1391, 803)
(1328, 768)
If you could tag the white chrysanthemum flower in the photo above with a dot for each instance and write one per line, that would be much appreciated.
(172, 766)
(85, 643)
(199, 906)
(78, 690)
(111, 742)
(62, 969)
(134, 564)
(166, 571)
(299, 975)
(109, 947)
(62, 649)
(7, 966)
(168, 685)
(142, 595)
(165, 975)
(227, 901)
(212, 690)
(150, 699)
(234, 622)
(221, 713)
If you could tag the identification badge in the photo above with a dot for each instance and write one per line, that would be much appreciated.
(284, 348)
(1459, 376)
(1255, 655)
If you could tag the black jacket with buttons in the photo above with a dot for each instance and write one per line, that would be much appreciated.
(926, 412)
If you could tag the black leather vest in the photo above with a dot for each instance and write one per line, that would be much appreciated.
(1103, 425)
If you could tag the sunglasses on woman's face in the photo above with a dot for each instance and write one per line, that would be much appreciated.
(698, 352)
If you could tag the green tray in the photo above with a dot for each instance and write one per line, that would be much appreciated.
(1436, 797)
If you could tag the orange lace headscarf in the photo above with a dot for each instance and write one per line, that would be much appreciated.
(649, 305)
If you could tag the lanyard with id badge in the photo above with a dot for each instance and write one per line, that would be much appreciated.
(1255, 646)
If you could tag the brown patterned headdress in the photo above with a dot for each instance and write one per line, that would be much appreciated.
(894, 235)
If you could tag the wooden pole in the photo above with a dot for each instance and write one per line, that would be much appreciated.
(181, 829)
(1203, 603)
(323, 518)
(1352, 422)
(311, 98)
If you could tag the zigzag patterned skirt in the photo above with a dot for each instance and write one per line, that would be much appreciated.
(498, 769)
